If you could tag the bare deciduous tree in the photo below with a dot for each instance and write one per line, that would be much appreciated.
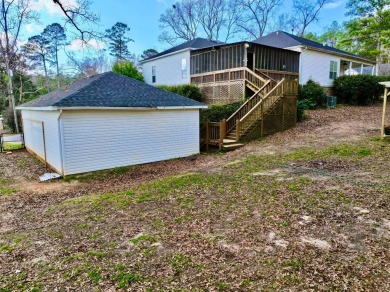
(182, 20)
(13, 13)
(79, 16)
(306, 12)
(186, 20)
(256, 15)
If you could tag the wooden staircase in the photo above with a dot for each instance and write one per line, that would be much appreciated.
(228, 134)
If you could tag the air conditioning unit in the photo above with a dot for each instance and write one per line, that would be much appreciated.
(331, 101)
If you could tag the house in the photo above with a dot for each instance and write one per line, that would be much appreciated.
(319, 62)
(265, 77)
(171, 67)
(109, 120)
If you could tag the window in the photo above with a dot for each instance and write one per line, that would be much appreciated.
(333, 70)
(153, 74)
(184, 68)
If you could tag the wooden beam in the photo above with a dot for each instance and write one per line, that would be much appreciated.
(384, 113)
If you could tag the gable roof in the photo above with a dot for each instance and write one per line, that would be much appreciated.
(282, 39)
(198, 43)
(110, 90)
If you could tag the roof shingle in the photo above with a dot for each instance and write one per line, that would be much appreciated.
(111, 90)
(281, 39)
(198, 43)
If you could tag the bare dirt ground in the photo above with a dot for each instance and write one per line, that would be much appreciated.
(306, 209)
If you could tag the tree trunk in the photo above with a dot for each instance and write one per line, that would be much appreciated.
(378, 58)
(11, 96)
(46, 77)
(58, 70)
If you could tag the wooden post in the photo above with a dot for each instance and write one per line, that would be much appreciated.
(207, 136)
(237, 130)
(384, 113)
(222, 132)
(262, 120)
(283, 111)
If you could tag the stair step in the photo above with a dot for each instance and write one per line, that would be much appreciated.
(232, 146)
(229, 141)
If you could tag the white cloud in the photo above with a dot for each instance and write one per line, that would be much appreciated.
(334, 5)
(79, 45)
(50, 7)
(34, 28)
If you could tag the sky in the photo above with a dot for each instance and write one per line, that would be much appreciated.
(142, 17)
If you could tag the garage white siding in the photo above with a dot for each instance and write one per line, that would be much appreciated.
(96, 140)
(168, 69)
(41, 130)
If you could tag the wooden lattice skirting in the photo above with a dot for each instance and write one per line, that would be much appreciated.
(282, 116)
(223, 92)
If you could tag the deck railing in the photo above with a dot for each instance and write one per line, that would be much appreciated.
(213, 133)
(241, 73)
(248, 105)
(278, 75)
(258, 110)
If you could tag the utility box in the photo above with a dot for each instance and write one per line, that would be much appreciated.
(331, 101)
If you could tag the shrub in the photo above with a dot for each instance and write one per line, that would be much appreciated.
(302, 105)
(187, 90)
(358, 89)
(313, 93)
(127, 69)
(216, 112)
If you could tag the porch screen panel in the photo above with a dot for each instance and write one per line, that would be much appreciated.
(218, 58)
(268, 58)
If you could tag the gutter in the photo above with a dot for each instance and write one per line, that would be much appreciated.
(361, 59)
(55, 108)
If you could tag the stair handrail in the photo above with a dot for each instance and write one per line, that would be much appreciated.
(255, 75)
(262, 100)
(234, 115)
(257, 71)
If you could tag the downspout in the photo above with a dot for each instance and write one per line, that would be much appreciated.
(60, 133)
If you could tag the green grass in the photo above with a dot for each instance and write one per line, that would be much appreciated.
(143, 238)
(95, 276)
(6, 191)
(7, 146)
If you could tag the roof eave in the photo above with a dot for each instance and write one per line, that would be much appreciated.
(337, 54)
(165, 55)
(54, 108)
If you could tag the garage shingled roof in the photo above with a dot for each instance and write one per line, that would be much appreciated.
(111, 90)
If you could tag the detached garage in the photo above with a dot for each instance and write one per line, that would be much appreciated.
(109, 120)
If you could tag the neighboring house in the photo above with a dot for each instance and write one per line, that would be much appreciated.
(319, 62)
(171, 67)
(109, 120)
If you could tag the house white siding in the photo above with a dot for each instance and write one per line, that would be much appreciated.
(96, 140)
(316, 66)
(168, 69)
(42, 134)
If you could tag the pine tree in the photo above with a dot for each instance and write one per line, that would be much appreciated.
(118, 41)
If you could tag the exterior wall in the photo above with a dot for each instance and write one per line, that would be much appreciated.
(38, 137)
(168, 70)
(96, 140)
(316, 66)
